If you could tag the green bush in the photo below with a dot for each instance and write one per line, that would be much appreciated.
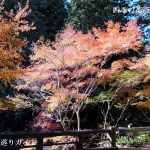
(135, 141)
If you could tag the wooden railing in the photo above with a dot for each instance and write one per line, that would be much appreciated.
(134, 130)
(15, 141)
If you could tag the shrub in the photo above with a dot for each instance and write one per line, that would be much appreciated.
(135, 141)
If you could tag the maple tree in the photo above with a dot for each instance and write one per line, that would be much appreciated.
(11, 46)
(10, 57)
(70, 69)
(12, 49)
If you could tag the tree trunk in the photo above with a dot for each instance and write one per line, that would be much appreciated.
(78, 119)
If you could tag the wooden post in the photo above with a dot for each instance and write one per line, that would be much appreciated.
(9, 146)
(39, 143)
(79, 143)
(113, 137)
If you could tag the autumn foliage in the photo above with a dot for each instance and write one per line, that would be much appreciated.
(97, 43)
(106, 67)
(75, 54)
(67, 71)
(75, 64)
(10, 53)
(11, 46)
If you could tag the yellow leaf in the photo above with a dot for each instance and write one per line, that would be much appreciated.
(147, 61)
